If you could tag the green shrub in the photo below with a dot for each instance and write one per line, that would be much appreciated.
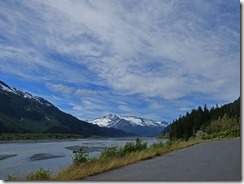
(157, 145)
(12, 177)
(168, 143)
(111, 151)
(41, 174)
(132, 147)
(129, 147)
(139, 145)
(234, 132)
(223, 124)
(201, 134)
(80, 157)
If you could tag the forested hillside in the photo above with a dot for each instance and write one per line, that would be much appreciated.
(224, 120)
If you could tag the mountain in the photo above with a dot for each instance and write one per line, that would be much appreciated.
(131, 124)
(167, 129)
(21, 112)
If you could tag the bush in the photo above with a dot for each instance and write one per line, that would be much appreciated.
(234, 132)
(139, 145)
(223, 124)
(224, 127)
(157, 145)
(12, 177)
(168, 143)
(80, 157)
(132, 147)
(201, 134)
(111, 151)
(129, 147)
(41, 174)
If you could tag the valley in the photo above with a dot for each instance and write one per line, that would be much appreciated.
(23, 113)
(88, 87)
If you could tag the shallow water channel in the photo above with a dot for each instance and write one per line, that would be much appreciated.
(20, 157)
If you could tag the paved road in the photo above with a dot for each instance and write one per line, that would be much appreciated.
(210, 161)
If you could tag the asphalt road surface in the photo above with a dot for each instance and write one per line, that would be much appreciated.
(209, 161)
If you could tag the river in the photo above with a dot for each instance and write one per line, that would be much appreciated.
(25, 156)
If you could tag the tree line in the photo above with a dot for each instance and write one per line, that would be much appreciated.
(216, 119)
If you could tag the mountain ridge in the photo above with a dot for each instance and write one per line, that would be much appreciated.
(21, 112)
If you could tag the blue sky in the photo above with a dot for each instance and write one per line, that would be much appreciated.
(154, 59)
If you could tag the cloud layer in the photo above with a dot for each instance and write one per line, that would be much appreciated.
(170, 51)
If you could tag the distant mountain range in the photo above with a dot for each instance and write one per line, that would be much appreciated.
(131, 124)
(21, 112)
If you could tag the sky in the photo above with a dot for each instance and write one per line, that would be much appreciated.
(155, 59)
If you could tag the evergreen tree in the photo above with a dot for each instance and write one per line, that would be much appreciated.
(199, 119)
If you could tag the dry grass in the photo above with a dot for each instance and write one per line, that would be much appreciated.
(96, 166)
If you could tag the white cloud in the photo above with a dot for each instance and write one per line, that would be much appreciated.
(90, 92)
(65, 90)
(127, 42)
(185, 109)
(78, 108)
(125, 109)
(165, 49)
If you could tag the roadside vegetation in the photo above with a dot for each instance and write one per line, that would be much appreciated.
(114, 157)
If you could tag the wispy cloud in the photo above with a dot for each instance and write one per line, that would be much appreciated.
(90, 92)
(166, 50)
(66, 90)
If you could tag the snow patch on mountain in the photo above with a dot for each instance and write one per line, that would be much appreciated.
(112, 119)
(106, 121)
(132, 124)
(134, 120)
(5, 88)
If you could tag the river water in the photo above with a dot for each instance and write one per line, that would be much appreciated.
(21, 163)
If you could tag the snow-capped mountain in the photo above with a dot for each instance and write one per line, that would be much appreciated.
(131, 124)
(4, 88)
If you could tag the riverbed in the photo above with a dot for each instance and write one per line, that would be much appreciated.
(19, 158)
